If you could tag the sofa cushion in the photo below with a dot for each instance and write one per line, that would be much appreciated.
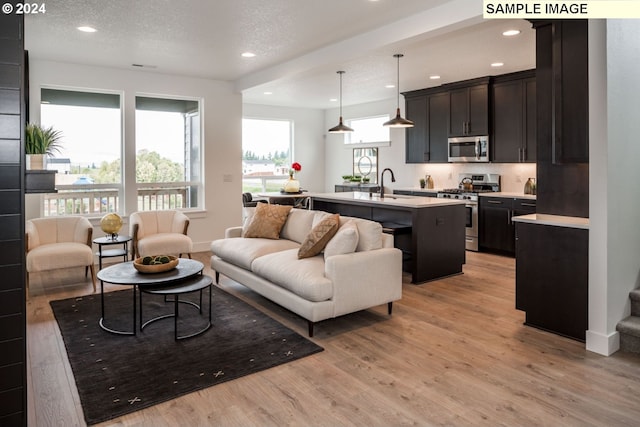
(369, 233)
(318, 237)
(267, 221)
(298, 224)
(242, 251)
(344, 242)
(304, 277)
(59, 255)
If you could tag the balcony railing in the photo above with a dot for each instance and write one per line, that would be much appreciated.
(104, 198)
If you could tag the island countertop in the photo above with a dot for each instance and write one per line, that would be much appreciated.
(363, 198)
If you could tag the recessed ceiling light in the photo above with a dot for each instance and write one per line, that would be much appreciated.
(390, 86)
(248, 55)
(497, 64)
(87, 29)
(435, 77)
(510, 33)
(268, 93)
(333, 100)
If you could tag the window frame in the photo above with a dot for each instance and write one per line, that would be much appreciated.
(353, 124)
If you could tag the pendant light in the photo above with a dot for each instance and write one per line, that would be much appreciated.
(340, 128)
(398, 121)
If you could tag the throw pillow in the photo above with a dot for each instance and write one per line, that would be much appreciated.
(344, 242)
(267, 221)
(319, 236)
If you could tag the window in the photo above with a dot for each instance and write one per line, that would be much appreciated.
(266, 154)
(89, 167)
(168, 153)
(90, 179)
(368, 130)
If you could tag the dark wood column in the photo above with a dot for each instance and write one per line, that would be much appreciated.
(13, 386)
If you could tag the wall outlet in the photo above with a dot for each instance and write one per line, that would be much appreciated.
(450, 175)
(227, 177)
(518, 178)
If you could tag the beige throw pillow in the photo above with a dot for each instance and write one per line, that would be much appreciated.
(267, 221)
(319, 236)
(344, 242)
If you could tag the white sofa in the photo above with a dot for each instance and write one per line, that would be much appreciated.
(315, 288)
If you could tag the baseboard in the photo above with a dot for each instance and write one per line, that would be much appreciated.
(201, 246)
(603, 344)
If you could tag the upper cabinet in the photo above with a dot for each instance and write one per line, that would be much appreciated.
(469, 109)
(514, 117)
(427, 140)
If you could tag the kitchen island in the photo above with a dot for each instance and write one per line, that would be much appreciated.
(429, 231)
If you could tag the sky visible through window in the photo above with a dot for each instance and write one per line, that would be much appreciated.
(266, 136)
(91, 135)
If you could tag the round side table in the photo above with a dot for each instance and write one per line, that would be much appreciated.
(123, 251)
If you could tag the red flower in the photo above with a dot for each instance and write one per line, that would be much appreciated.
(296, 166)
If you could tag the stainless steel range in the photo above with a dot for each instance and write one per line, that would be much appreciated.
(469, 188)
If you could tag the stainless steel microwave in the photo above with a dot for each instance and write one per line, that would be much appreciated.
(466, 149)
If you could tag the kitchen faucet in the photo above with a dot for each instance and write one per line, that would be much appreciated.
(393, 179)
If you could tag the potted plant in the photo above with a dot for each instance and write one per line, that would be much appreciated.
(423, 182)
(40, 142)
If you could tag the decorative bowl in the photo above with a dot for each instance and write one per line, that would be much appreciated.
(156, 268)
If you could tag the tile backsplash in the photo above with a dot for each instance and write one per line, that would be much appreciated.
(512, 175)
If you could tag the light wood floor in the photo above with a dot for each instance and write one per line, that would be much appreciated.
(453, 353)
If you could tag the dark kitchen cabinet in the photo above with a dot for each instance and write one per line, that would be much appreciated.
(562, 99)
(426, 141)
(497, 230)
(419, 193)
(367, 188)
(552, 278)
(469, 109)
(514, 118)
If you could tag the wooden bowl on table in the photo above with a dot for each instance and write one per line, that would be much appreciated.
(146, 264)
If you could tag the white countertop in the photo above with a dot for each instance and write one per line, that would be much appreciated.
(388, 200)
(509, 195)
(418, 189)
(557, 220)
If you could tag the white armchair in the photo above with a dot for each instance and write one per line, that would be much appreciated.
(160, 233)
(59, 242)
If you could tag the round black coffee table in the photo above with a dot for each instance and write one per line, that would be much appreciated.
(126, 274)
(192, 284)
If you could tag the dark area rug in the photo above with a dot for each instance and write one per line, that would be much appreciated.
(117, 374)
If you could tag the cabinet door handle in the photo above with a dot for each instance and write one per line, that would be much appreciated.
(524, 154)
(531, 205)
(494, 202)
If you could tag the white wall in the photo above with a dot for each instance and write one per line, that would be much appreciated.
(308, 141)
(222, 128)
(614, 237)
(445, 175)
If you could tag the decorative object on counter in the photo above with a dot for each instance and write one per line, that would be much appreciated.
(398, 121)
(429, 181)
(530, 186)
(346, 178)
(340, 127)
(293, 185)
(40, 142)
(365, 163)
(466, 184)
(366, 179)
(423, 183)
(111, 223)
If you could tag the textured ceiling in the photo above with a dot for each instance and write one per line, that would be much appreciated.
(299, 44)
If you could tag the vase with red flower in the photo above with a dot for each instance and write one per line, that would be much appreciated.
(292, 185)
